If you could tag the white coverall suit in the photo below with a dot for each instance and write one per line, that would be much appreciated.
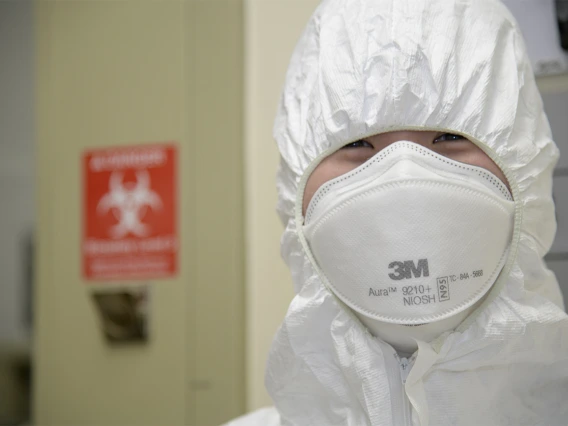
(364, 67)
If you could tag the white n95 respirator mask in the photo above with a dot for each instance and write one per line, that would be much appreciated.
(410, 236)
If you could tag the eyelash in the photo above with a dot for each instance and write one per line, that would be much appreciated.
(358, 144)
(457, 138)
(442, 138)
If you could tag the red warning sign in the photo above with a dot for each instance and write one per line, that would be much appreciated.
(130, 212)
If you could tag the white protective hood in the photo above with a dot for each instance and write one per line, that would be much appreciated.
(364, 67)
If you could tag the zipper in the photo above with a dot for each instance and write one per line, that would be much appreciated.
(405, 365)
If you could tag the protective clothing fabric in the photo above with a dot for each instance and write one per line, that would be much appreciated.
(364, 67)
(410, 236)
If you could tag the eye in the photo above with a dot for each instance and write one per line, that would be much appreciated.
(449, 137)
(358, 144)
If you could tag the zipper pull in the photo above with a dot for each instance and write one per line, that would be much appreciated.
(404, 369)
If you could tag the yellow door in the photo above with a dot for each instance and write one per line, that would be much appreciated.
(130, 72)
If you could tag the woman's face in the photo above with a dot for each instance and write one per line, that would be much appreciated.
(353, 155)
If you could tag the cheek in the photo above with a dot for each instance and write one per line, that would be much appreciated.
(480, 159)
(316, 179)
(494, 168)
(330, 168)
(476, 157)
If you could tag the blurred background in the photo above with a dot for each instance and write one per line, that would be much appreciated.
(140, 275)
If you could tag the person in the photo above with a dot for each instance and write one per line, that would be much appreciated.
(415, 187)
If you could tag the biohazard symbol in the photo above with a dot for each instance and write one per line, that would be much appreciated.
(128, 203)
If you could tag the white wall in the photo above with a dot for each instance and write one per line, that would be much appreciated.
(16, 163)
(555, 96)
(272, 29)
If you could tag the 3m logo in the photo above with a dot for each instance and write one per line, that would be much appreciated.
(406, 269)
